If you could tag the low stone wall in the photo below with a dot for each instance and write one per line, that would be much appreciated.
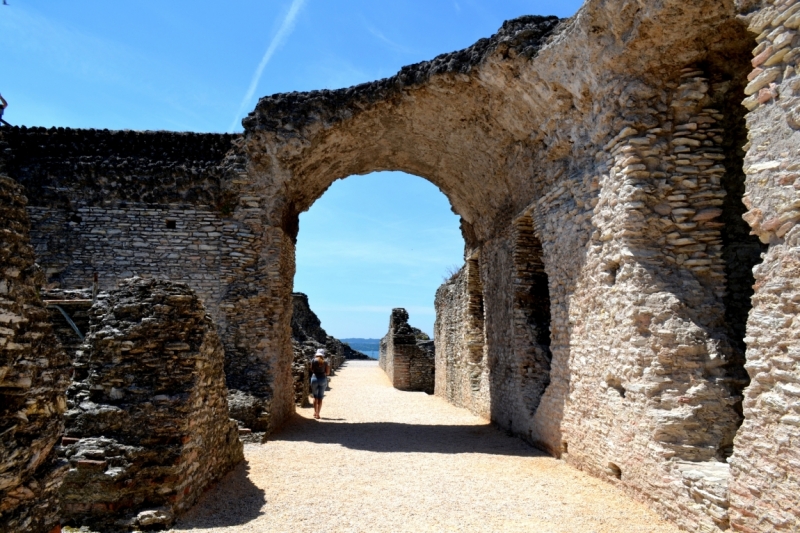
(147, 429)
(764, 484)
(34, 374)
(407, 355)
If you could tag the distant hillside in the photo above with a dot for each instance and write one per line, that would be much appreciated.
(371, 347)
(308, 335)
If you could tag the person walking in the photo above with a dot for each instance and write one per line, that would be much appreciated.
(3, 106)
(320, 370)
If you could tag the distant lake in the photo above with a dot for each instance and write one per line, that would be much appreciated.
(370, 347)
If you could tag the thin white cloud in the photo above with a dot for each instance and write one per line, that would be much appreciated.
(372, 252)
(458, 7)
(283, 33)
(393, 45)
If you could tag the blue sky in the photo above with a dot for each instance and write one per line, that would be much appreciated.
(201, 65)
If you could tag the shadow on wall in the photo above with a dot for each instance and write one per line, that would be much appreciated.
(390, 437)
(234, 501)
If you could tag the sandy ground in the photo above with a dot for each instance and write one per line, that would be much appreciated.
(385, 460)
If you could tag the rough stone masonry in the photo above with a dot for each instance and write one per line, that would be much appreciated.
(608, 311)
(147, 428)
(34, 374)
(407, 355)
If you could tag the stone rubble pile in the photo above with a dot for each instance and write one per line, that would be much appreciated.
(34, 374)
(147, 430)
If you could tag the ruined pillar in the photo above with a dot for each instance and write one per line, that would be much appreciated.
(406, 355)
(764, 487)
(34, 374)
(147, 429)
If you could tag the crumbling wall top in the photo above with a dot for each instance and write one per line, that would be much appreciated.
(286, 112)
(68, 166)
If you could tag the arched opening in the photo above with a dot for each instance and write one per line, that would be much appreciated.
(371, 247)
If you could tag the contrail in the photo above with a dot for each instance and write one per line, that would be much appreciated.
(277, 41)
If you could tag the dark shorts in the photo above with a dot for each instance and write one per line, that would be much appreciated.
(318, 387)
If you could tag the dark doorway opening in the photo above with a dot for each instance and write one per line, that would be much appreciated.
(531, 314)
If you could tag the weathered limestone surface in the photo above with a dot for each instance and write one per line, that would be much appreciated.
(462, 372)
(34, 374)
(307, 330)
(596, 164)
(765, 467)
(407, 355)
(147, 428)
(161, 204)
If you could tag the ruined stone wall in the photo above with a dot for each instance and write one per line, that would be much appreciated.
(407, 355)
(649, 346)
(195, 245)
(764, 486)
(462, 372)
(596, 164)
(34, 374)
(590, 160)
(147, 430)
(163, 205)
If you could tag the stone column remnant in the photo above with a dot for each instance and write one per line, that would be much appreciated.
(147, 429)
(407, 355)
(33, 378)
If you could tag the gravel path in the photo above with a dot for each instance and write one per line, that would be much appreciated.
(385, 460)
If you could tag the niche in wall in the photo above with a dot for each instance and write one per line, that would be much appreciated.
(531, 314)
(475, 327)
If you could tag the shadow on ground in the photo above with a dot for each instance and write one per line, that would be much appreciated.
(394, 437)
(233, 501)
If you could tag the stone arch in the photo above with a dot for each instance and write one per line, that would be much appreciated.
(528, 120)
(585, 126)
(433, 120)
(581, 129)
